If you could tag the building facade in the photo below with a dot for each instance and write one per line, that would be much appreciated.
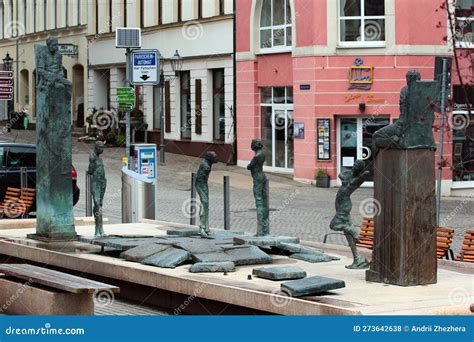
(25, 23)
(198, 102)
(316, 79)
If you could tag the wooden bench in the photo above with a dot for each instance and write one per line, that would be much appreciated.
(18, 202)
(467, 250)
(12, 195)
(31, 290)
(444, 238)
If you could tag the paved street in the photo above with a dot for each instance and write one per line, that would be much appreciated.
(296, 209)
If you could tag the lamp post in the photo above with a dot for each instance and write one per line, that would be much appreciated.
(7, 66)
(176, 65)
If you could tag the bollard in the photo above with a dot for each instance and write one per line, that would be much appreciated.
(88, 195)
(267, 194)
(193, 200)
(226, 203)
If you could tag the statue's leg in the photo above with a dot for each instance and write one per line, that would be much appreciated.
(359, 261)
(257, 192)
(203, 209)
(265, 209)
(100, 231)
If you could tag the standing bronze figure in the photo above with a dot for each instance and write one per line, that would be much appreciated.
(351, 181)
(98, 185)
(202, 188)
(260, 188)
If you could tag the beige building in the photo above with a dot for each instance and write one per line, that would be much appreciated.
(202, 32)
(25, 23)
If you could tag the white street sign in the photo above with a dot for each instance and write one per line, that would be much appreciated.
(145, 67)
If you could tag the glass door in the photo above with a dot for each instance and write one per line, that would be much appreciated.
(279, 139)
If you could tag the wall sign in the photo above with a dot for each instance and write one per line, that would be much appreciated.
(298, 129)
(305, 86)
(67, 49)
(323, 139)
(360, 76)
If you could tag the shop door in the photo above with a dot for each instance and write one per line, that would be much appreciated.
(282, 154)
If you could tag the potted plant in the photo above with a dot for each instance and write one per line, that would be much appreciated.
(322, 178)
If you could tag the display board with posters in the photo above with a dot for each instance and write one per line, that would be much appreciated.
(323, 139)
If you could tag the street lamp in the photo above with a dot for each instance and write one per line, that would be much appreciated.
(176, 65)
(7, 63)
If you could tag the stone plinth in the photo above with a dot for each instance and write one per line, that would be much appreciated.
(405, 235)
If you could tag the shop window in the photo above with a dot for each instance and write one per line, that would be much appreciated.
(463, 146)
(218, 105)
(459, 96)
(361, 23)
(464, 20)
(275, 25)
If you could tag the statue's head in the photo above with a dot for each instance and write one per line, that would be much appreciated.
(413, 76)
(52, 44)
(256, 145)
(99, 147)
(211, 157)
(358, 167)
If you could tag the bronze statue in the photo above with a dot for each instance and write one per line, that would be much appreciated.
(260, 186)
(351, 181)
(202, 188)
(54, 201)
(98, 185)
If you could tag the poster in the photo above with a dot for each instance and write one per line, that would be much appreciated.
(324, 139)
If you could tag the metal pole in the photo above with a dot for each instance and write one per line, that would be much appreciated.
(128, 124)
(88, 195)
(193, 199)
(162, 122)
(226, 203)
(441, 142)
(23, 178)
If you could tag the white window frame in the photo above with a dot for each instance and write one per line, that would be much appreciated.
(463, 44)
(362, 43)
(278, 48)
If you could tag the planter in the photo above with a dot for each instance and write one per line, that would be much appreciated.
(323, 181)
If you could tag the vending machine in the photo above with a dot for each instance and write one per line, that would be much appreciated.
(144, 156)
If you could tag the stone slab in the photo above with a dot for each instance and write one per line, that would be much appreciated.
(264, 241)
(198, 245)
(169, 258)
(313, 258)
(212, 267)
(184, 231)
(311, 286)
(239, 255)
(141, 252)
(297, 248)
(120, 243)
(279, 273)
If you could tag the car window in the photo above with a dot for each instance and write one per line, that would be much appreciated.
(19, 156)
(1, 156)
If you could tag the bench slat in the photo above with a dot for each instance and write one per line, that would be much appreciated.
(54, 279)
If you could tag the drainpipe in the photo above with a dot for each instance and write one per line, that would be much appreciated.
(234, 112)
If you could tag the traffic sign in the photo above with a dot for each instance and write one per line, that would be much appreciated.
(125, 106)
(145, 67)
(6, 81)
(129, 91)
(6, 74)
(6, 96)
(6, 90)
(126, 99)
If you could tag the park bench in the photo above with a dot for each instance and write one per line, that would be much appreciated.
(12, 196)
(467, 250)
(31, 290)
(444, 238)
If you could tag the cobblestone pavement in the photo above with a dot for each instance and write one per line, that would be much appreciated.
(296, 209)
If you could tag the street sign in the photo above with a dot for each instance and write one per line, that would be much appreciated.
(125, 106)
(6, 74)
(126, 99)
(127, 91)
(6, 90)
(6, 96)
(67, 49)
(5, 81)
(145, 67)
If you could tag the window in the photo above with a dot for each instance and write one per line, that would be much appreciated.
(362, 23)
(21, 157)
(218, 105)
(2, 151)
(185, 93)
(459, 96)
(463, 146)
(464, 20)
(275, 25)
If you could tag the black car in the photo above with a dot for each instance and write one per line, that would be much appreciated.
(13, 157)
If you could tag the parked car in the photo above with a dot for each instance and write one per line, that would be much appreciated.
(14, 156)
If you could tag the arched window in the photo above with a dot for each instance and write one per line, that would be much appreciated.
(275, 25)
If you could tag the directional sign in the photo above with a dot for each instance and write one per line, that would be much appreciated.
(6, 90)
(127, 91)
(6, 74)
(125, 106)
(5, 81)
(6, 96)
(126, 99)
(145, 67)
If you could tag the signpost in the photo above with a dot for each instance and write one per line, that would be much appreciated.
(126, 98)
(145, 67)
(6, 85)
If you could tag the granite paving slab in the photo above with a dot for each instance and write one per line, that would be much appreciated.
(198, 245)
(209, 267)
(184, 231)
(169, 258)
(121, 243)
(313, 258)
(262, 241)
(141, 252)
(311, 286)
(279, 273)
(250, 255)
(212, 257)
(297, 248)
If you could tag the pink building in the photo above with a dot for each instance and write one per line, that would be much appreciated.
(316, 78)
